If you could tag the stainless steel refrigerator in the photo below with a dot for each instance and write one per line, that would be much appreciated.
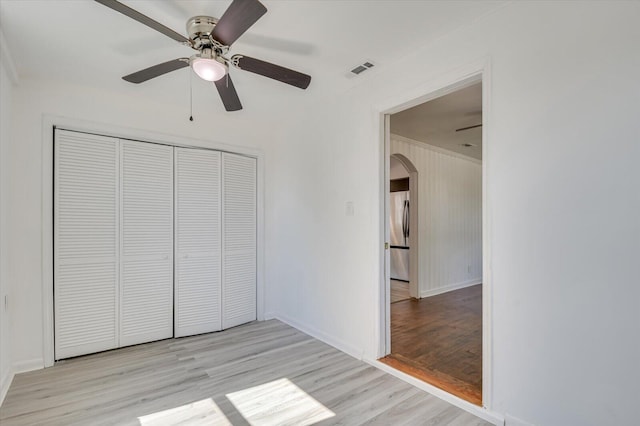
(399, 221)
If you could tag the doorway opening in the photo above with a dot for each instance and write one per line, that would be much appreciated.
(436, 331)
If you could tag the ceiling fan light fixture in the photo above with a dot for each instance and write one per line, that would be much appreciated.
(209, 69)
(212, 38)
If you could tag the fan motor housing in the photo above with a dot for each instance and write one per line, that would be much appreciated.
(201, 26)
(199, 29)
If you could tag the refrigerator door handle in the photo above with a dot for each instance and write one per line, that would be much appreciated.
(404, 233)
(405, 221)
(408, 212)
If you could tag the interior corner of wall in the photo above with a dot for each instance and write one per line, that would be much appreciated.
(5, 383)
(269, 315)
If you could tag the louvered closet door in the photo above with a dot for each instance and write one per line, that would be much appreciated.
(197, 242)
(239, 240)
(85, 243)
(146, 273)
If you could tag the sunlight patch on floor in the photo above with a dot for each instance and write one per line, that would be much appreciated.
(200, 412)
(278, 403)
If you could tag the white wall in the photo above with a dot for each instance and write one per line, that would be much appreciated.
(32, 100)
(450, 216)
(562, 178)
(6, 88)
(564, 200)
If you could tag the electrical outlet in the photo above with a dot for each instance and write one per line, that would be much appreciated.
(468, 269)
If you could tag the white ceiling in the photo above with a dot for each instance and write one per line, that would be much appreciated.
(83, 42)
(435, 122)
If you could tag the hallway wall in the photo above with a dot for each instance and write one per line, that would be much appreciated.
(6, 88)
(450, 216)
(562, 177)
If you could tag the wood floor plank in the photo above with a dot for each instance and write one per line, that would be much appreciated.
(262, 373)
(419, 412)
(438, 339)
(437, 378)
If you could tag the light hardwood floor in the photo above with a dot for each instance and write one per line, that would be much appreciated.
(262, 373)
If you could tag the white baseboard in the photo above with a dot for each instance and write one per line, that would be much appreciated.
(28, 365)
(5, 383)
(482, 412)
(509, 420)
(450, 287)
(320, 335)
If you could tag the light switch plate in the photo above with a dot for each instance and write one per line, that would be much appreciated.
(349, 209)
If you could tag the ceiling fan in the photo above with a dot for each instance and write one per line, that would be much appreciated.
(211, 38)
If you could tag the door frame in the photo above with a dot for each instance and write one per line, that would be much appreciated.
(49, 123)
(435, 88)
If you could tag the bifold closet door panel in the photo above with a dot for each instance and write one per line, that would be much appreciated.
(146, 272)
(238, 240)
(85, 243)
(197, 242)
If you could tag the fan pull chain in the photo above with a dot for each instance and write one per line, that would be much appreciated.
(190, 95)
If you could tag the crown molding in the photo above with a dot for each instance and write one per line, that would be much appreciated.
(426, 145)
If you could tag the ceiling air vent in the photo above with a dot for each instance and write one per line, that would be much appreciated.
(361, 68)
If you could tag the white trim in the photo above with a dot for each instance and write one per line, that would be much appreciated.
(509, 420)
(476, 410)
(455, 79)
(425, 145)
(340, 345)
(487, 236)
(28, 365)
(260, 281)
(450, 287)
(383, 334)
(130, 133)
(7, 59)
(48, 124)
(46, 245)
(5, 384)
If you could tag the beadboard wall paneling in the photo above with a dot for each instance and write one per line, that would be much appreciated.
(450, 216)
